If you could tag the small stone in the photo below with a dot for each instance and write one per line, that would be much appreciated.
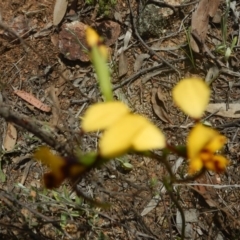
(153, 20)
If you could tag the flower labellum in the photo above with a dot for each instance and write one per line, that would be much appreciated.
(202, 144)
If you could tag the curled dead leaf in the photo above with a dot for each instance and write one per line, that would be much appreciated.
(200, 19)
(158, 103)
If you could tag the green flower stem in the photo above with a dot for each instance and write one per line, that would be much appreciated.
(102, 71)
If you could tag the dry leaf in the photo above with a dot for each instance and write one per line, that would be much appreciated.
(127, 38)
(118, 17)
(233, 110)
(151, 205)
(212, 74)
(55, 107)
(32, 100)
(217, 17)
(210, 196)
(213, 7)
(59, 11)
(122, 65)
(235, 11)
(54, 39)
(200, 19)
(208, 193)
(10, 137)
(139, 61)
(158, 103)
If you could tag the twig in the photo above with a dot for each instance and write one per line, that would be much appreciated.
(142, 72)
(208, 185)
(168, 187)
(235, 123)
(34, 127)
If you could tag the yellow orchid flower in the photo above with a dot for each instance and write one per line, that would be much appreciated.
(202, 144)
(191, 95)
(61, 168)
(124, 130)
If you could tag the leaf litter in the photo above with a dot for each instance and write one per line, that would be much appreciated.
(138, 175)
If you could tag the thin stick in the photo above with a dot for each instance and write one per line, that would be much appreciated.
(34, 127)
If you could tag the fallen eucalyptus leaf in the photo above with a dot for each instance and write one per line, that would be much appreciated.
(59, 11)
(139, 61)
(127, 38)
(200, 19)
(122, 65)
(220, 109)
(10, 137)
(28, 97)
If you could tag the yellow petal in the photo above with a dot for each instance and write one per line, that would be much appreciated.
(191, 95)
(195, 165)
(199, 137)
(92, 37)
(102, 115)
(210, 165)
(118, 139)
(149, 137)
(216, 143)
